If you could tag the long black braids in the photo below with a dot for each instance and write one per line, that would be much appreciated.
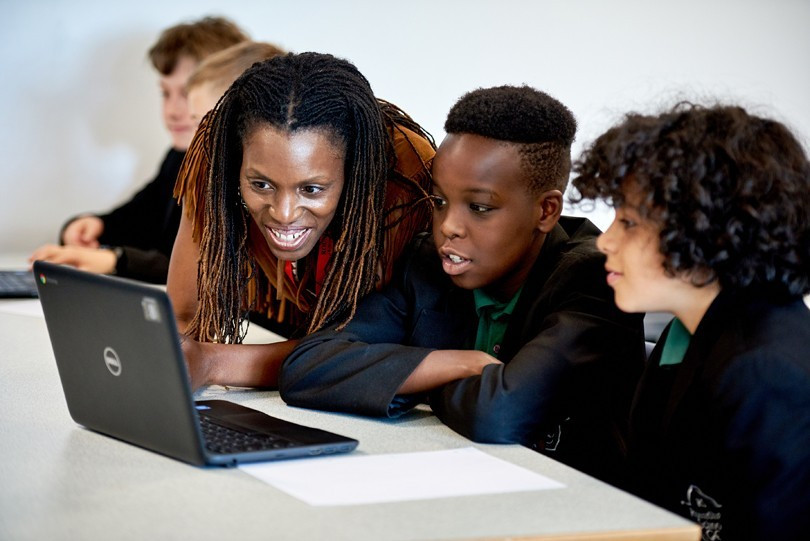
(294, 92)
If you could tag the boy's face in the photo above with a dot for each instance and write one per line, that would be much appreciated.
(176, 116)
(487, 224)
(635, 265)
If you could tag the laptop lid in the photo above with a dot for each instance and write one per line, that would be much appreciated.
(123, 374)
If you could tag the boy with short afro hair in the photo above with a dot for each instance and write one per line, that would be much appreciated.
(502, 321)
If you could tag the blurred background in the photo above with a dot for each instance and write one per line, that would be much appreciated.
(80, 125)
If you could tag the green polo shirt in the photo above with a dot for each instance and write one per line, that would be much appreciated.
(676, 345)
(493, 318)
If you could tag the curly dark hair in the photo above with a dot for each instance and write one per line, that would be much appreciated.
(543, 127)
(729, 190)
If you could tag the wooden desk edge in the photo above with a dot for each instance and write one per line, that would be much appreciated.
(683, 533)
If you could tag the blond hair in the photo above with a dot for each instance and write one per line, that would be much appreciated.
(224, 67)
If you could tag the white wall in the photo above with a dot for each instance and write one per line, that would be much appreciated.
(79, 107)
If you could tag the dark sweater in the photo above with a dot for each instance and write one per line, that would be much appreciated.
(145, 226)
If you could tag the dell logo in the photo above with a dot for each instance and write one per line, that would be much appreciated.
(112, 361)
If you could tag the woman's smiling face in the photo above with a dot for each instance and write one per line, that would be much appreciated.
(291, 183)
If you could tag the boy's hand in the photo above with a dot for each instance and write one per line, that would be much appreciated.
(86, 259)
(446, 365)
(83, 231)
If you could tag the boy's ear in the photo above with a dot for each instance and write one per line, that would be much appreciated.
(549, 205)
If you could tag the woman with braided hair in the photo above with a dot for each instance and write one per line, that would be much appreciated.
(299, 192)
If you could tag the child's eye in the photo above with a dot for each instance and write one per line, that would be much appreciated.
(627, 224)
(479, 209)
(438, 202)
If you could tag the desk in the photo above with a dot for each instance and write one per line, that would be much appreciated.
(60, 481)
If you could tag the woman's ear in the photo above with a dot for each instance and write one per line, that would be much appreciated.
(549, 206)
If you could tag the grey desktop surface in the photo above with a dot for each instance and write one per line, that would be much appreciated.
(60, 481)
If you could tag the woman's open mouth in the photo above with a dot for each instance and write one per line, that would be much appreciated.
(288, 239)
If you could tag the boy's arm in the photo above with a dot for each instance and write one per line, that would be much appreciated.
(145, 265)
(366, 368)
(442, 366)
(584, 351)
(139, 221)
(359, 369)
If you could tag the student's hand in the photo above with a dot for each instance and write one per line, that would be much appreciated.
(86, 259)
(83, 231)
(446, 365)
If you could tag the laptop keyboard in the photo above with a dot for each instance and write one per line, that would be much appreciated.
(225, 440)
(17, 282)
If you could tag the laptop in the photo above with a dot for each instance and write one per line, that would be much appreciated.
(17, 284)
(123, 374)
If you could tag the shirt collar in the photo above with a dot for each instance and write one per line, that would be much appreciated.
(496, 310)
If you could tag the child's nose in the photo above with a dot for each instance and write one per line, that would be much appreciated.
(451, 226)
(605, 242)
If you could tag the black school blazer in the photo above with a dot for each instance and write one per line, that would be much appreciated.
(572, 359)
(724, 437)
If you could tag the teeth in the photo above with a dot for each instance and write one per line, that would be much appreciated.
(455, 259)
(288, 237)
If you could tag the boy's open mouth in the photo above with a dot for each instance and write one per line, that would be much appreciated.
(454, 264)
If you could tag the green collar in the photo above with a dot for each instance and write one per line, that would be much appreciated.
(496, 310)
(493, 319)
(676, 345)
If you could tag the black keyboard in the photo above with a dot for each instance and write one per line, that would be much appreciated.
(17, 284)
(225, 440)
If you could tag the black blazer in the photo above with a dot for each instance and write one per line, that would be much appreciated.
(145, 226)
(724, 437)
(572, 359)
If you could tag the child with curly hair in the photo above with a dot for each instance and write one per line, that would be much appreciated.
(713, 225)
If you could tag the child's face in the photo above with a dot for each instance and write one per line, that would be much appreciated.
(291, 184)
(486, 221)
(634, 263)
(176, 116)
(201, 99)
(635, 267)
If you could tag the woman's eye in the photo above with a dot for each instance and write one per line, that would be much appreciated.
(260, 185)
(312, 189)
(479, 209)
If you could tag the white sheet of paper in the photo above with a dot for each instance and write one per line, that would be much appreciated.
(22, 307)
(367, 479)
